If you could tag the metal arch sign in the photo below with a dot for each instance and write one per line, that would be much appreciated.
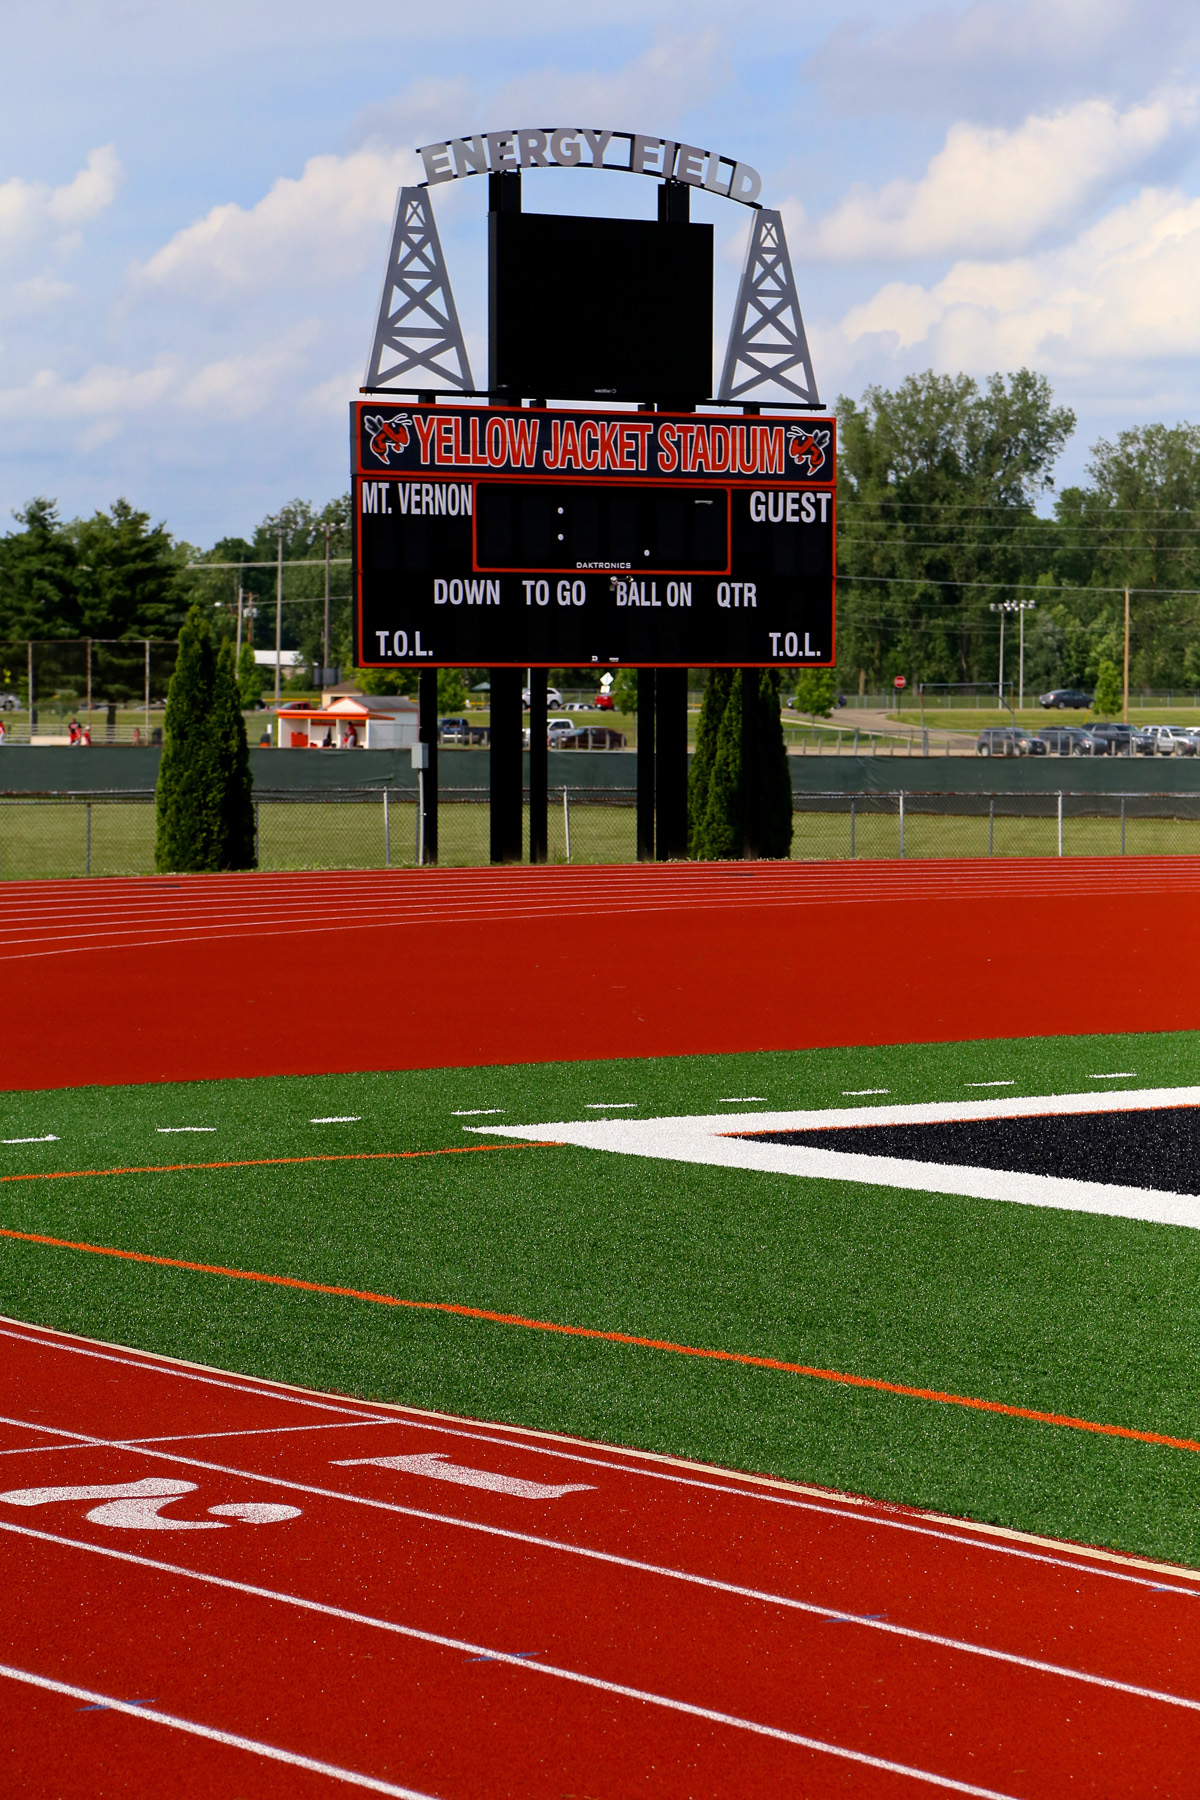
(580, 147)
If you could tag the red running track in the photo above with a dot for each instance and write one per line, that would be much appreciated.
(196, 976)
(221, 1585)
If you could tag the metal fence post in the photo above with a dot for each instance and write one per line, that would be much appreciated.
(902, 822)
(852, 826)
(1122, 824)
(1060, 798)
(567, 820)
(387, 833)
(991, 826)
(256, 858)
(88, 862)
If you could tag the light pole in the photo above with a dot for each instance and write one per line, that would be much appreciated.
(1020, 607)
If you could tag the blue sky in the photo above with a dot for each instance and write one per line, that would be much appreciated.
(195, 202)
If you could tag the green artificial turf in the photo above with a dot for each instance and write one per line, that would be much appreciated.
(1061, 1312)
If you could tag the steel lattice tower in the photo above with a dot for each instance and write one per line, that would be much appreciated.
(767, 344)
(418, 321)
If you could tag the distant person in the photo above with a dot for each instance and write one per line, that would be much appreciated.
(73, 732)
(351, 738)
(3, 732)
(85, 736)
(327, 742)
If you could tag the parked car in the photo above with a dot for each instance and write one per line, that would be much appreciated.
(556, 728)
(1060, 697)
(1069, 740)
(1171, 740)
(553, 698)
(453, 731)
(9, 703)
(604, 703)
(1122, 740)
(591, 737)
(1008, 740)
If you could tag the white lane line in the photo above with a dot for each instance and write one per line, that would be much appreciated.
(474, 1112)
(609, 1105)
(127, 1360)
(338, 1119)
(589, 1554)
(990, 1084)
(48, 1139)
(547, 1443)
(1116, 1075)
(203, 1437)
(849, 1093)
(165, 1129)
(144, 1710)
(642, 1695)
(740, 1099)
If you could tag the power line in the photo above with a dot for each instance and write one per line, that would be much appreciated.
(1031, 587)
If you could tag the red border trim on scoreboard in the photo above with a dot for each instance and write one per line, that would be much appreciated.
(471, 473)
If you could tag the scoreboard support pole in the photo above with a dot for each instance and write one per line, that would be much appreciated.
(645, 764)
(539, 768)
(427, 733)
(671, 764)
(506, 766)
(749, 759)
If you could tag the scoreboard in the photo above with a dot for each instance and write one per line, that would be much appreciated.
(493, 536)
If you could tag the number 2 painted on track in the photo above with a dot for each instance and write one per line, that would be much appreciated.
(137, 1505)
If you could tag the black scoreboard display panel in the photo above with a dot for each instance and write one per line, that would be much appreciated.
(487, 536)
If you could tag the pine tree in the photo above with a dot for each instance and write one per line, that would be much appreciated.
(232, 767)
(721, 827)
(740, 787)
(249, 678)
(204, 798)
(712, 710)
(1110, 692)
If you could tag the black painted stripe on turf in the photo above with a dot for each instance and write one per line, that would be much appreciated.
(1158, 1148)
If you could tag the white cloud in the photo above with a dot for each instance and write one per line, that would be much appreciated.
(1120, 297)
(996, 191)
(32, 211)
(997, 58)
(313, 229)
(237, 387)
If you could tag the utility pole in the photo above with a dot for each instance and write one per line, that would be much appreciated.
(279, 618)
(325, 664)
(238, 651)
(998, 606)
(1125, 699)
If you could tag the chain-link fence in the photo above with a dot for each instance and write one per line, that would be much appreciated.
(52, 835)
(56, 835)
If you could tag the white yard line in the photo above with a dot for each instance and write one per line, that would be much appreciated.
(708, 1139)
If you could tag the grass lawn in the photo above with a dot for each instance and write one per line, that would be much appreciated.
(1062, 1312)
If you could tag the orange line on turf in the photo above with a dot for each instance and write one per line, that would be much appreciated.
(259, 1162)
(610, 1337)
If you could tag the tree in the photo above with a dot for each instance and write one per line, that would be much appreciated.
(814, 692)
(451, 691)
(39, 576)
(712, 711)
(231, 764)
(937, 484)
(249, 679)
(740, 789)
(129, 576)
(203, 796)
(1110, 692)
